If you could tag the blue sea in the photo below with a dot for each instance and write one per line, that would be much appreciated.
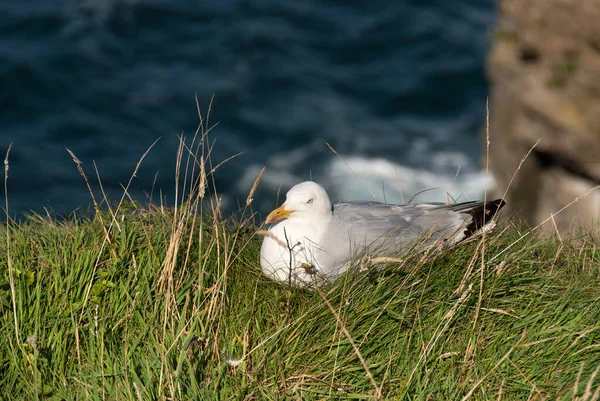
(397, 88)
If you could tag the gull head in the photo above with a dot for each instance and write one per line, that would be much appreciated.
(307, 200)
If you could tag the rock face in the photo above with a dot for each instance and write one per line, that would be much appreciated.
(545, 73)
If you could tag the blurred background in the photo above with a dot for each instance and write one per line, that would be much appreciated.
(397, 88)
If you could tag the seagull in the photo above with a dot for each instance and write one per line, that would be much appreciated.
(310, 240)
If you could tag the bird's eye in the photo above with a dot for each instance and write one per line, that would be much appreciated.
(310, 201)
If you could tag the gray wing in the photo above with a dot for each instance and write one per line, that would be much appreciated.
(371, 222)
(384, 228)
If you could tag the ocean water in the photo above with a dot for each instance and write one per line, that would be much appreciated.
(398, 89)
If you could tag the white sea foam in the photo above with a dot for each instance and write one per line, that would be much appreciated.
(396, 183)
(389, 181)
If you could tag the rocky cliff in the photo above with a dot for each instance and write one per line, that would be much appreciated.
(544, 68)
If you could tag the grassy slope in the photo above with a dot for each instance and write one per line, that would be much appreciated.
(175, 307)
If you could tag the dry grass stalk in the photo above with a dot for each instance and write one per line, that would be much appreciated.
(254, 186)
(501, 390)
(450, 314)
(269, 234)
(203, 182)
(469, 271)
(519, 168)
(384, 259)
(447, 355)
(501, 311)
(587, 395)
(11, 272)
(96, 206)
(483, 231)
(412, 198)
(500, 268)
(577, 379)
(106, 202)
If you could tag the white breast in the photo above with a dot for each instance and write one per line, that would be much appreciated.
(302, 249)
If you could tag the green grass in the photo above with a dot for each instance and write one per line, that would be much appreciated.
(174, 307)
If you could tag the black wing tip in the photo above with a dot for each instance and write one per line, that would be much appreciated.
(482, 215)
(495, 205)
(500, 202)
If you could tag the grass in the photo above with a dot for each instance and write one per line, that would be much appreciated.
(135, 320)
(169, 304)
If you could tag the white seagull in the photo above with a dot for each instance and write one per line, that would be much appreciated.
(311, 240)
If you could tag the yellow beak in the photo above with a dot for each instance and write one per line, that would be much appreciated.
(278, 214)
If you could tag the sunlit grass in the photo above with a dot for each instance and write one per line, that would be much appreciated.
(98, 324)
